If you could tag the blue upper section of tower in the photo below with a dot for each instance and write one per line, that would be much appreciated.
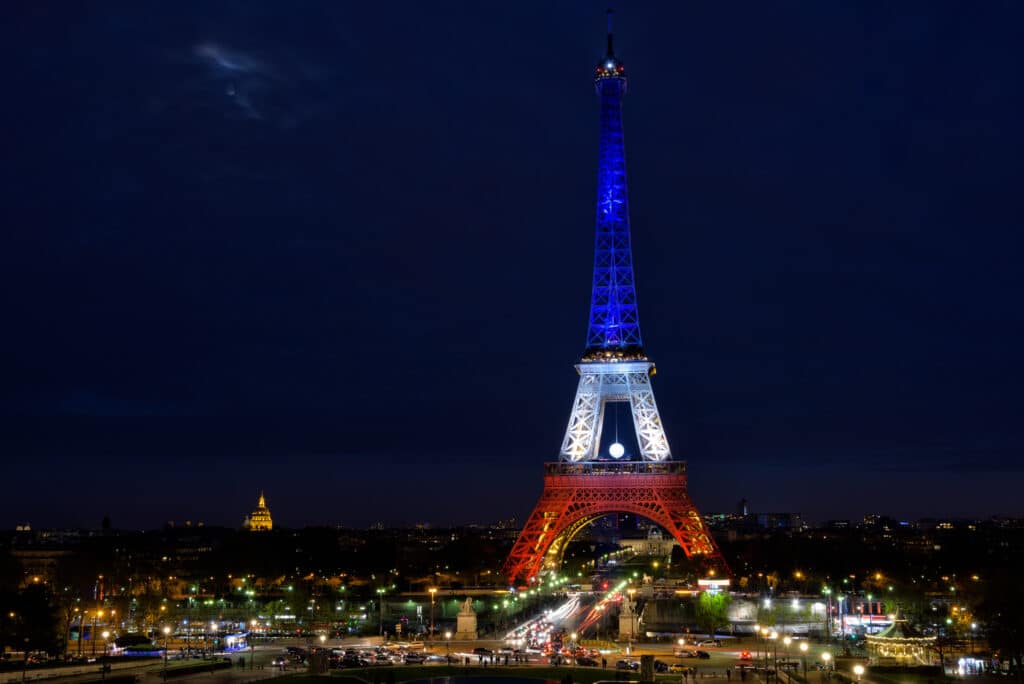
(614, 331)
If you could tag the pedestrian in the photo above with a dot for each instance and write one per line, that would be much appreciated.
(728, 675)
(604, 663)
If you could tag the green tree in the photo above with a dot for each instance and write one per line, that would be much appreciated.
(713, 610)
(1002, 611)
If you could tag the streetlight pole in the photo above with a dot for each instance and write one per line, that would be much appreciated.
(448, 647)
(825, 657)
(380, 599)
(252, 643)
(774, 636)
(858, 670)
(803, 657)
(92, 632)
(167, 632)
(433, 594)
(632, 613)
(106, 647)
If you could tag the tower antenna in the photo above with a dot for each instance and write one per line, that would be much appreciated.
(611, 12)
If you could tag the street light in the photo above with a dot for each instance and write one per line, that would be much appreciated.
(252, 643)
(24, 662)
(103, 663)
(573, 637)
(92, 632)
(380, 600)
(167, 633)
(448, 647)
(213, 637)
(787, 641)
(433, 593)
(858, 670)
(825, 657)
(803, 657)
(632, 616)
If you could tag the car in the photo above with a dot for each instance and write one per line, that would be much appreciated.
(481, 651)
(709, 642)
(686, 653)
(354, 661)
(679, 668)
(280, 662)
(745, 655)
(586, 661)
(414, 658)
(703, 655)
(627, 665)
(660, 666)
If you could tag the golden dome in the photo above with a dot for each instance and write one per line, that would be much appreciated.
(260, 518)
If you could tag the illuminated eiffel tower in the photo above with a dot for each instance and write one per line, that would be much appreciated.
(585, 485)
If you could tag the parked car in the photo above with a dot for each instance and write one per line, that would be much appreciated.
(660, 666)
(679, 668)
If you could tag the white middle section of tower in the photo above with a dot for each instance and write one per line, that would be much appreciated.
(601, 383)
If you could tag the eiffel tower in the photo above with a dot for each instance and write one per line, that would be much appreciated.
(583, 484)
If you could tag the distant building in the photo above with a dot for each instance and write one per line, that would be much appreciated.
(654, 545)
(259, 519)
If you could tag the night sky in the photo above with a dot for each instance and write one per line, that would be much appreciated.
(343, 253)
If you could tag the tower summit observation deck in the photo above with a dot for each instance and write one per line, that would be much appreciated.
(586, 484)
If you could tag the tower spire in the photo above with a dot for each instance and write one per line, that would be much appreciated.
(614, 331)
(611, 13)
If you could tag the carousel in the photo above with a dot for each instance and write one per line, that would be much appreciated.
(900, 644)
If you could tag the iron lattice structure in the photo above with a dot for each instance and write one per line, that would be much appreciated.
(576, 494)
(614, 320)
(582, 486)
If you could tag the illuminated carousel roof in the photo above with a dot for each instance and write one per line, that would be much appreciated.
(899, 630)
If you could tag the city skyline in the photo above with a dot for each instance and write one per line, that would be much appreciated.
(344, 258)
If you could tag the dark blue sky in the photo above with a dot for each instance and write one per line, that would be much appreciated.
(343, 253)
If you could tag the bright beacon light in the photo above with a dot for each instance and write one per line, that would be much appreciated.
(616, 450)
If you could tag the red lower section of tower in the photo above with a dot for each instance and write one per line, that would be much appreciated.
(575, 493)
